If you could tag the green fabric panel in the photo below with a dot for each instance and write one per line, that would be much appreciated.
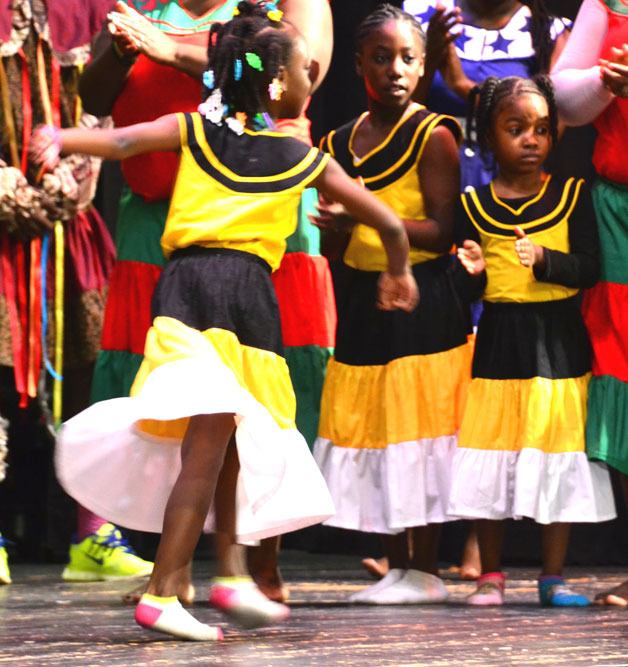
(139, 229)
(607, 422)
(617, 6)
(307, 237)
(114, 374)
(171, 12)
(307, 367)
(611, 208)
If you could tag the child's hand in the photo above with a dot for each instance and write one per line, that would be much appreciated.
(472, 258)
(45, 147)
(332, 216)
(397, 292)
(529, 253)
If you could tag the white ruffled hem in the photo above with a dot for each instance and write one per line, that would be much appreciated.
(111, 468)
(548, 488)
(388, 490)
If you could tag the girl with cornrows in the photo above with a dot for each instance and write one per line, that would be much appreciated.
(528, 242)
(394, 391)
(214, 380)
(470, 40)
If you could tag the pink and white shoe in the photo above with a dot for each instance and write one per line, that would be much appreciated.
(489, 591)
(167, 615)
(241, 600)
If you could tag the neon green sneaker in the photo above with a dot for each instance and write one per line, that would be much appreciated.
(103, 556)
(5, 575)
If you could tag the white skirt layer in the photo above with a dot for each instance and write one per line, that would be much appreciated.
(548, 488)
(108, 466)
(390, 489)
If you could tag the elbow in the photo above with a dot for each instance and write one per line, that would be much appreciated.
(90, 99)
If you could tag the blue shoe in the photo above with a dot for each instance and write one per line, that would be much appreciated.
(554, 592)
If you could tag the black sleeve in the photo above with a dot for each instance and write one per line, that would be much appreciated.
(470, 288)
(580, 267)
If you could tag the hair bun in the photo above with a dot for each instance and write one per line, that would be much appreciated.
(247, 8)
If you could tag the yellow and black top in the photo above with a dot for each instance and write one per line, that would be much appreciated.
(559, 218)
(238, 191)
(390, 171)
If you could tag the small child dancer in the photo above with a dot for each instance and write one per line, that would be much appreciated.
(214, 379)
(529, 240)
(394, 393)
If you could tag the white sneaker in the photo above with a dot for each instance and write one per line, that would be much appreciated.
(415, 587)
(362, 597)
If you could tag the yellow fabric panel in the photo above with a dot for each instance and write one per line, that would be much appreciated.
(416, 397)
(262, 373)
(507, 279)
(538, 413)
(365, 250)
(206, 213)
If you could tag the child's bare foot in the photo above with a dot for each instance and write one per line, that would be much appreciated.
(272, 585)
(186, 594)
(377, 567)
(616, 597)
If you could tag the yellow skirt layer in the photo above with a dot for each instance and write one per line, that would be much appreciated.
(537, 413)
(409, 399)
(262, 373)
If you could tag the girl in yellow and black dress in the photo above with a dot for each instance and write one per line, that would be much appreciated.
(394, 392)
(530, 242)
(214, 380)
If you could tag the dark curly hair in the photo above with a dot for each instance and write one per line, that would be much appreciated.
(494, 92)
(381, 15)
(249, 31)
(540, 31)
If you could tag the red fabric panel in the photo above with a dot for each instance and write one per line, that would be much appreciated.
(151, 91)
(127, 315)
(306, 301)
(606, 315)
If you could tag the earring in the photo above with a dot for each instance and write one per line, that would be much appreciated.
(275, 90)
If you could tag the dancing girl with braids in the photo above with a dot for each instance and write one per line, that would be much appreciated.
(394, 392)
(208, 437)
(529, 243)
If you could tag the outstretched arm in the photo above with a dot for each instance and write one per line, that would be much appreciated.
(397, 286)
(115, 144)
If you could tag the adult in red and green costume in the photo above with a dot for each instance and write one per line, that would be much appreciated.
(150, 63)
(591, 80)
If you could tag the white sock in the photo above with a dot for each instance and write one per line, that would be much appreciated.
(415, 587)
(167, 615)
(391, 578)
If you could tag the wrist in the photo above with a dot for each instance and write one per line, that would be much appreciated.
(125, 59)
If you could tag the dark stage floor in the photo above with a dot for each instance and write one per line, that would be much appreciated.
(46, 622)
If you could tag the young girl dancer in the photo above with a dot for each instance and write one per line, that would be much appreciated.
(214, 379)
(393, 396)
(529, 241)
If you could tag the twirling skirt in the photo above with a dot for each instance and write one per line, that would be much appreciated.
(214, 347)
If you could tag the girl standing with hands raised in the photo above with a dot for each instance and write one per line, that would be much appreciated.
(214, 379)
(529, 241)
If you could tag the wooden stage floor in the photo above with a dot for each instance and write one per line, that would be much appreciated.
(46, 622)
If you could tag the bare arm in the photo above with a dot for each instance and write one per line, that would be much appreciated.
(313, 19)
(113, 144)
(439, 178)
(335, 185)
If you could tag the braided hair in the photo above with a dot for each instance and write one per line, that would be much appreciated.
(494, 92)
(249, 33)
(379, 17)
(540, 31)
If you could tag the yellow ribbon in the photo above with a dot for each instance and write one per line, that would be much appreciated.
(57, 393)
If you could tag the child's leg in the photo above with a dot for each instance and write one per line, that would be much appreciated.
(233, 591)
(426, 540)
(471, 565)
(490, 586)
(553, 592)
(202, 455)
(264, 567)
